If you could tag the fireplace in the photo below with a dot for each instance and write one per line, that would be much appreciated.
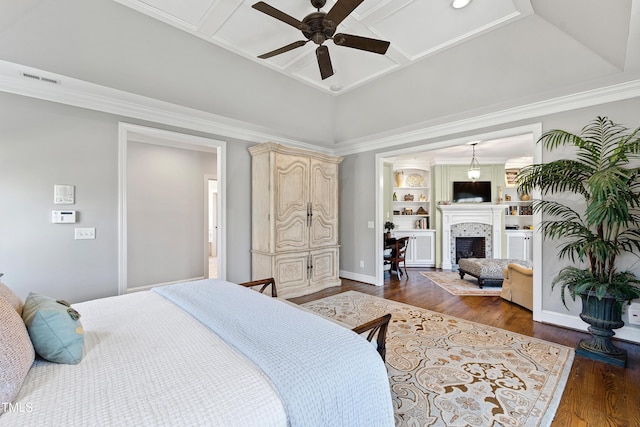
(470, 240)
(470, 220)
(470, 247)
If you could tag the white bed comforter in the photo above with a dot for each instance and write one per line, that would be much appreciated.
(147, 362)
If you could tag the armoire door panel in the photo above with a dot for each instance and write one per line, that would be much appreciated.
(291, 198)
(291, 187)
(324, 199)
(324, 184)
(322, 233)
(324, 265)
(292, 234)
(292, 270)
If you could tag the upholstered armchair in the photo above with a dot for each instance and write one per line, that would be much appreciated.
(517, 286)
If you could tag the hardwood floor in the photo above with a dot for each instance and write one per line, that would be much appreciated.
(596, 394)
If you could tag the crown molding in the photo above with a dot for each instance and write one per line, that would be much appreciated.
(78, 93)
(82, 94)
(589, 98)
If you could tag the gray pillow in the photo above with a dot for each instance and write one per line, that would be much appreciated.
(11, 297)
(16, 353)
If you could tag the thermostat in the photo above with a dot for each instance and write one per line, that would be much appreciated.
(63, 217)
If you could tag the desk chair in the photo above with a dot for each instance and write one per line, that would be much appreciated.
(397, 256)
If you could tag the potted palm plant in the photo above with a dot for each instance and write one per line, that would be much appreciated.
(594, 235)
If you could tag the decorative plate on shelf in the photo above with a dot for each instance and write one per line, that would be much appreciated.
(415, 180)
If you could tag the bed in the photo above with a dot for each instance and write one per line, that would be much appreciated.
(208, 352)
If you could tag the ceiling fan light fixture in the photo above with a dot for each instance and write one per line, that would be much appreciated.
(318, 27)
(459, 4)
(318, 38)
(474, 168)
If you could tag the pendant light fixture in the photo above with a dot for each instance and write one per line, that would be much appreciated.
(474, 168)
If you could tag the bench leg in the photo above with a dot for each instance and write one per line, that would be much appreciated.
(461, 274)
(480, 283)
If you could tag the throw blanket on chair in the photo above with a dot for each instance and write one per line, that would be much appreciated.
(326, 375)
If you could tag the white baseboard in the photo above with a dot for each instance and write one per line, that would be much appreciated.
(627, 333)
(358, 277)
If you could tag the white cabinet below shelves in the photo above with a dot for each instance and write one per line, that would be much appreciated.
(519, 244)
(421, 250)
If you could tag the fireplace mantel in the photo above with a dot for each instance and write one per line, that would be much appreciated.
(471, 213)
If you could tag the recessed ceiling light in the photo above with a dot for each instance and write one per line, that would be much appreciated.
(459, 4)
(336, 88)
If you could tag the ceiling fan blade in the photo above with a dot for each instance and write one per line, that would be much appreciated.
(324, 61)
(362, 43)
(279, 15)
(339, 11)
(283, 49)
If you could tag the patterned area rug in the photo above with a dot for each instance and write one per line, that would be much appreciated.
(446, 371)
(451, 282)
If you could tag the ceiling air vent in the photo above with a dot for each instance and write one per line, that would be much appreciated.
(42, 79)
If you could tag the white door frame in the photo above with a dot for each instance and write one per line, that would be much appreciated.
(207, 199)
(177, 140)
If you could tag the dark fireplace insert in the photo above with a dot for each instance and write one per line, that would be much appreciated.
(470, 247)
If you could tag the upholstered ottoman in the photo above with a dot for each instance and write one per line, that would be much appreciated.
(488, 271)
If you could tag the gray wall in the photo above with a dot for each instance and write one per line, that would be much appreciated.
(166, 212)
(44, 143)
(357, 199)
(359, 187)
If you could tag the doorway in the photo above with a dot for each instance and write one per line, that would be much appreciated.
(383, 179)
(163, 217)
(212, 225)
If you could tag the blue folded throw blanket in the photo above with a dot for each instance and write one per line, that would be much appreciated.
(326, 375)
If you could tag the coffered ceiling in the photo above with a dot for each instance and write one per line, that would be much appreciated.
(416, 29)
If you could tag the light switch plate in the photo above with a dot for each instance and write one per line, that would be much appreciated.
(634, 314)
(370, 224)
(85, 233)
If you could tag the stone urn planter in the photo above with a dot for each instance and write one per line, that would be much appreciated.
(603, 316)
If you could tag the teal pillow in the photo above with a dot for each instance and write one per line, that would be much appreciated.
(54, 328)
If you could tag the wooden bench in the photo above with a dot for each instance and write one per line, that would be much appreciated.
(376, 328)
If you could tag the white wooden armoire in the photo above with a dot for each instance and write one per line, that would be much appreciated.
(294, 225)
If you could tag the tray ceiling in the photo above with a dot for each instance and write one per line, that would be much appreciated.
(416, 29)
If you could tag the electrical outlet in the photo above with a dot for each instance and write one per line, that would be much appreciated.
(361, 263)
(85, 233)
(634, 314)
(370, 224)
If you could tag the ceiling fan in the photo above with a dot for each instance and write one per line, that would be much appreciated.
(320, 27)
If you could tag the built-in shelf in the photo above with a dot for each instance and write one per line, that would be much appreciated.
(413, 183)
(517, 212)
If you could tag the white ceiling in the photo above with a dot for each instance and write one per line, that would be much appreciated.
(416, 29)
